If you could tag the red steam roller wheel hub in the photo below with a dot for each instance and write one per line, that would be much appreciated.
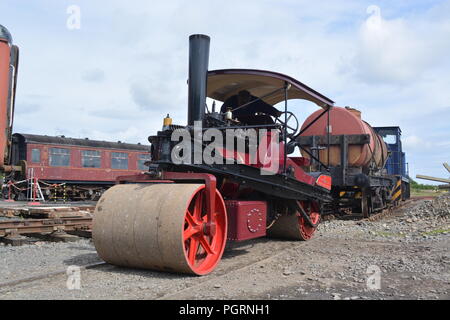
(204, 235)
(306, 230)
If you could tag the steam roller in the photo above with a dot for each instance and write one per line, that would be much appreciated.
(227, 175)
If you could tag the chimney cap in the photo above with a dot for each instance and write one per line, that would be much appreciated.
(192, 36)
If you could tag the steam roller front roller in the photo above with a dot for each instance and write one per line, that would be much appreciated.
(161, 226)
(294, 226)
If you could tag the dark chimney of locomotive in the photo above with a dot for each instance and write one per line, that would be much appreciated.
(198, 73)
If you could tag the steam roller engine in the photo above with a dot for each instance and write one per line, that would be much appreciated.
(225, 176)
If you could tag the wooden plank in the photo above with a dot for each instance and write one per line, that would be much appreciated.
(446, 166)
(419, 176)
(29, 226)
(9, 213)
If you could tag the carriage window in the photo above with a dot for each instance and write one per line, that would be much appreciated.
(35, 155)
(90, 159)
(390, 139)
(119, 160)
(142, 158)
(59, 157)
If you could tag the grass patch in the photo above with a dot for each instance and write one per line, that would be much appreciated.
(435, 232)
(389, 234)
(426, 193)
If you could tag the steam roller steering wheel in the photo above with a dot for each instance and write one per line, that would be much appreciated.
(292, 123)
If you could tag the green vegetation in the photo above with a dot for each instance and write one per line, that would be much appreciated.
(426, 193)
(419, 186)
(389, 234)
(424, 190)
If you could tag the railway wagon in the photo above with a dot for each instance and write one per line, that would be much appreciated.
(80, 168)
(367, 164)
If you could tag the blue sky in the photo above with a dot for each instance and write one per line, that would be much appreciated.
(126, 67)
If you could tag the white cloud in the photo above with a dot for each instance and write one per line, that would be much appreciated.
(94, 75)
(413, 142)
(400, 50)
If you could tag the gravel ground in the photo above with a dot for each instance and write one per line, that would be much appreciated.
(43, 257)
(410, 248)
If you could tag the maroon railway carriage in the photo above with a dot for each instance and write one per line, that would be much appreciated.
(85, 167)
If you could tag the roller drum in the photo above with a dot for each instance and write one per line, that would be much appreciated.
(294, 226)
(142, 226)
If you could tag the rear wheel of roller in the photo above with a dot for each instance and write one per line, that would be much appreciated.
(161, 227)
(295, 226)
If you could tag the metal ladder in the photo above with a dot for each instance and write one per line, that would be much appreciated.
(34, 187)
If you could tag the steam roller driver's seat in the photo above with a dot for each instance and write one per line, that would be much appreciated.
(255, 113)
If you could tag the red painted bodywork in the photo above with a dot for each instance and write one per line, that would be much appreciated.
(263, 159)
(246, 219)
(4, 91)
(75, 171)
(324, 181)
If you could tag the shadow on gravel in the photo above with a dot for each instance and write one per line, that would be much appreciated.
(234, 249)
(82, 259)
(89, 258)
(81, 248)
(145, 273)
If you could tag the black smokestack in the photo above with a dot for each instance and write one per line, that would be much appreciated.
(198, 73)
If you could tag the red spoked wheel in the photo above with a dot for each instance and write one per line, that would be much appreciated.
(204, 234)
(295, 226)
(312, 210)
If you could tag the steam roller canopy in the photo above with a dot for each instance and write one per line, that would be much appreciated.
(160, 227)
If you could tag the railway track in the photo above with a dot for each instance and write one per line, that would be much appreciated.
(30, 226)
(379, 215)
(393, 210)
(56, 229)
